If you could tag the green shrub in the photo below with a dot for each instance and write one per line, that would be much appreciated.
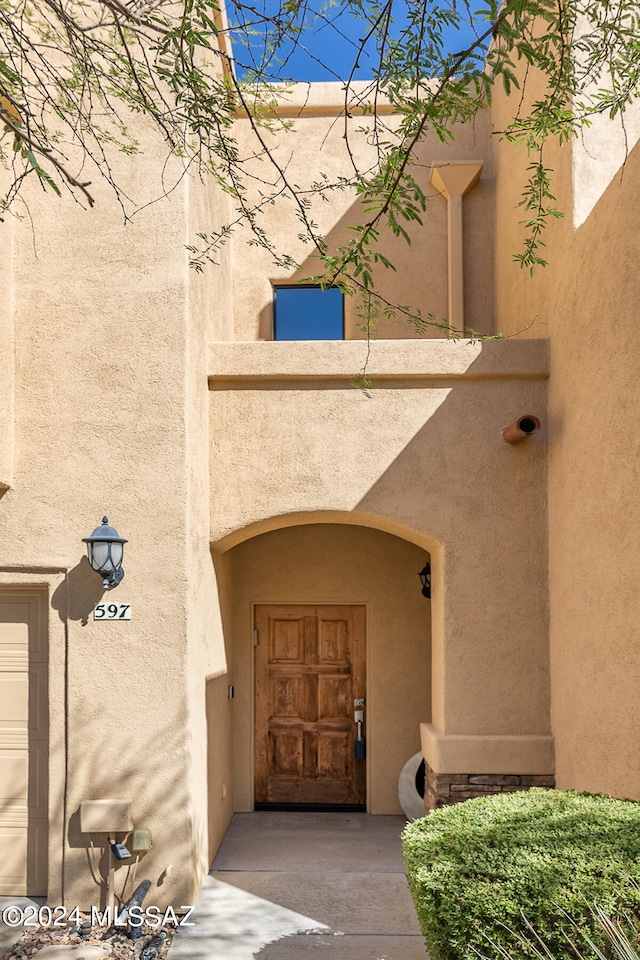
(474, 868)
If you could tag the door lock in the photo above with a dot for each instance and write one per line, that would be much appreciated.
(359, 719)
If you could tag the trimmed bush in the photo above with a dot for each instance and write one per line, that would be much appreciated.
(475, 867)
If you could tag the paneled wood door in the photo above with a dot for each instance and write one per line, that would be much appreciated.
(310, 667)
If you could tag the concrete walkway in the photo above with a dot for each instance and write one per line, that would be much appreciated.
(9, 934)
(296, 886)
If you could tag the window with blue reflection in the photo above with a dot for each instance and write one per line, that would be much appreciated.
(306, 312)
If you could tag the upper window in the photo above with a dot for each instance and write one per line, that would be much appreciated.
(306, 312)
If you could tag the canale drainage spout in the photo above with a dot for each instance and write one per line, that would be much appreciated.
(520, 429)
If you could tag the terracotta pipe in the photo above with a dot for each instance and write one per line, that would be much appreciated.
(520, 429)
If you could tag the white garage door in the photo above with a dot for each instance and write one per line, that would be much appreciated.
(23, 744)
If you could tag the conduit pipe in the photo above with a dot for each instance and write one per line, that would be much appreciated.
(520, 429)
(454, 181)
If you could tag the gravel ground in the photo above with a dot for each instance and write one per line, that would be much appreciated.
(115, 943)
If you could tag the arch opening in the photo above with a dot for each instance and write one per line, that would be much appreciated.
(309, 568)
(348, 518)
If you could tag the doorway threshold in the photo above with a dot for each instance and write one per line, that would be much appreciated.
(313, 807)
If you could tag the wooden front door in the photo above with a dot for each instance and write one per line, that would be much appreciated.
(309, 670)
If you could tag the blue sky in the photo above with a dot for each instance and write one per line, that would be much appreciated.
(325, 51)
(327, 48)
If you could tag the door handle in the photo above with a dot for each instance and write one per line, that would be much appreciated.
(359, 746)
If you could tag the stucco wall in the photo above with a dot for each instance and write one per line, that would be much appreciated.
(220, 717)
(587, 298)
(322, 143)
(111, 416)
(207, 314)
(107, 411)
(421, 457)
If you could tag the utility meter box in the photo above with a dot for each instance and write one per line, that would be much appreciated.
(106, 816)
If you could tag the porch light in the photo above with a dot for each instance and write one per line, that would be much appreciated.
(105, 548)
(425, 580)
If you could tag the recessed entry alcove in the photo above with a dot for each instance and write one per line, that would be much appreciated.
(348, 587)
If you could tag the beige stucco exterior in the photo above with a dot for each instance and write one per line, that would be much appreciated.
(244, 471)
(414, 434)
(317, 145)
(585, 303)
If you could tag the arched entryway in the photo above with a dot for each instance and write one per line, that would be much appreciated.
(329, 579)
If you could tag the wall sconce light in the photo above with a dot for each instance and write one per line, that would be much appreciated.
(425, 580)
(105, 549)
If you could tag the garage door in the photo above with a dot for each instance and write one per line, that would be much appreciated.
(23, 744)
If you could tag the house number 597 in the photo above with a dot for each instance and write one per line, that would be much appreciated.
(112, 611)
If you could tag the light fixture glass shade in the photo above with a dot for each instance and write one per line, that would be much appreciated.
(117, 552)
(105, 557)
(105, 550)
(98, 554)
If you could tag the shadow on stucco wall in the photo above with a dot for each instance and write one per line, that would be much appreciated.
(427, 285)
(144, 768)
(486, 502)
(418, 279)
(83, 588)
(423, 454)
(219, 712)
(140, 753)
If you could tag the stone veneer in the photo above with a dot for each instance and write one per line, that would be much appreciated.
(443, 789)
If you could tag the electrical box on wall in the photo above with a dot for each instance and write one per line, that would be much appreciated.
(106, 816)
